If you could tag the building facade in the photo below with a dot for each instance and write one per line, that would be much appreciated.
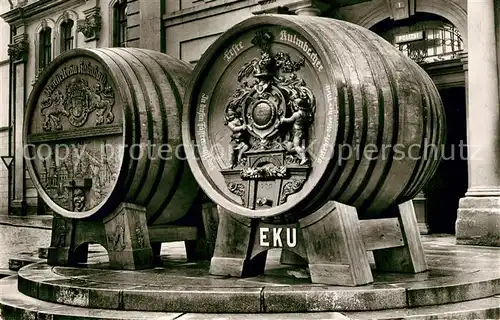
(455, 41)
(4, 108)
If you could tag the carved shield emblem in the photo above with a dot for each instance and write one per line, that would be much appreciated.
(77, 102)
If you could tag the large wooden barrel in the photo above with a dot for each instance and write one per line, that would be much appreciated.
(103, 126)
(278, 102)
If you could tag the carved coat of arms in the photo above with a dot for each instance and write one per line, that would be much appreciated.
(269, 115)
(76, 103)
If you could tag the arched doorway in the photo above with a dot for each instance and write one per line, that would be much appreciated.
(437, 46)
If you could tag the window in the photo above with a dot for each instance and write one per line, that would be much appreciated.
(45, 46)
(120, 39)
(425, 38)
(440, 41)
(67, 35)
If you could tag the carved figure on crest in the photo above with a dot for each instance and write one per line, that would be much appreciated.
(239, 143)
(51, 109)
(300, 118)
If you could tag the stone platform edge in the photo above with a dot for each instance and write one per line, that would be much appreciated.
(38, 281)
(15, 305)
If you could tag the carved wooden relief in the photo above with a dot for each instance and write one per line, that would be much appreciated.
(116, 239)
(254, 129)
(75, 136)
(76, 101)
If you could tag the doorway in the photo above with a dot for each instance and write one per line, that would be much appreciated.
(450, 181)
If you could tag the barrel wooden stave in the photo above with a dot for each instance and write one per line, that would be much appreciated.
(382, 98)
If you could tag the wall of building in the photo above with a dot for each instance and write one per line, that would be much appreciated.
(4, 182)
(192, 29)
(4, 107)
(497, 23)
(54, 19)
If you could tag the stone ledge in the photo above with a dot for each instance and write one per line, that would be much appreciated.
(16, 263)
(6, 273)
(14, 305)
(457, 273)
(478, 221)
(39, 222)
(184, 290)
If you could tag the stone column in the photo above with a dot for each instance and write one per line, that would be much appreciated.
(307, 11)
(150, 24)
(479, 212)
(420, 205)
(18, 52)
(306, 8)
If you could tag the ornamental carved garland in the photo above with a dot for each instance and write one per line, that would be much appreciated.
(238, 189)
(76, 102)
(290, 188)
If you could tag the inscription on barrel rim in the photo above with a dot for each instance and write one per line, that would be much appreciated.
(268, 115)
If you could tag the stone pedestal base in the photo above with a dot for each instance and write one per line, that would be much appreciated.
(132, 244)
(124, 234)
(18, 208)
(332, 241)
(128, 238)
(478, 221)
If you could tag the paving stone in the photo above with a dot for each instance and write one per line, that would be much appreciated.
(307, 299)
(487, 308)
(452, 289)
(392, 277)
(187, 286)
(15, 305)
(15, 264)
(70, 272)
(267, 316)
(64, 291)
(185, 299)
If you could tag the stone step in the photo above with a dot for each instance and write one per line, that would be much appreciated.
(15, 305)
(487, 308)
(6, 273)
(187, 287)
(17, 263)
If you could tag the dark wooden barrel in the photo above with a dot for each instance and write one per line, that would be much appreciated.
(103, 126)
(278, 102)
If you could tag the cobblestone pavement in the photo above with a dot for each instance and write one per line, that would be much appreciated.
(20, 241)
